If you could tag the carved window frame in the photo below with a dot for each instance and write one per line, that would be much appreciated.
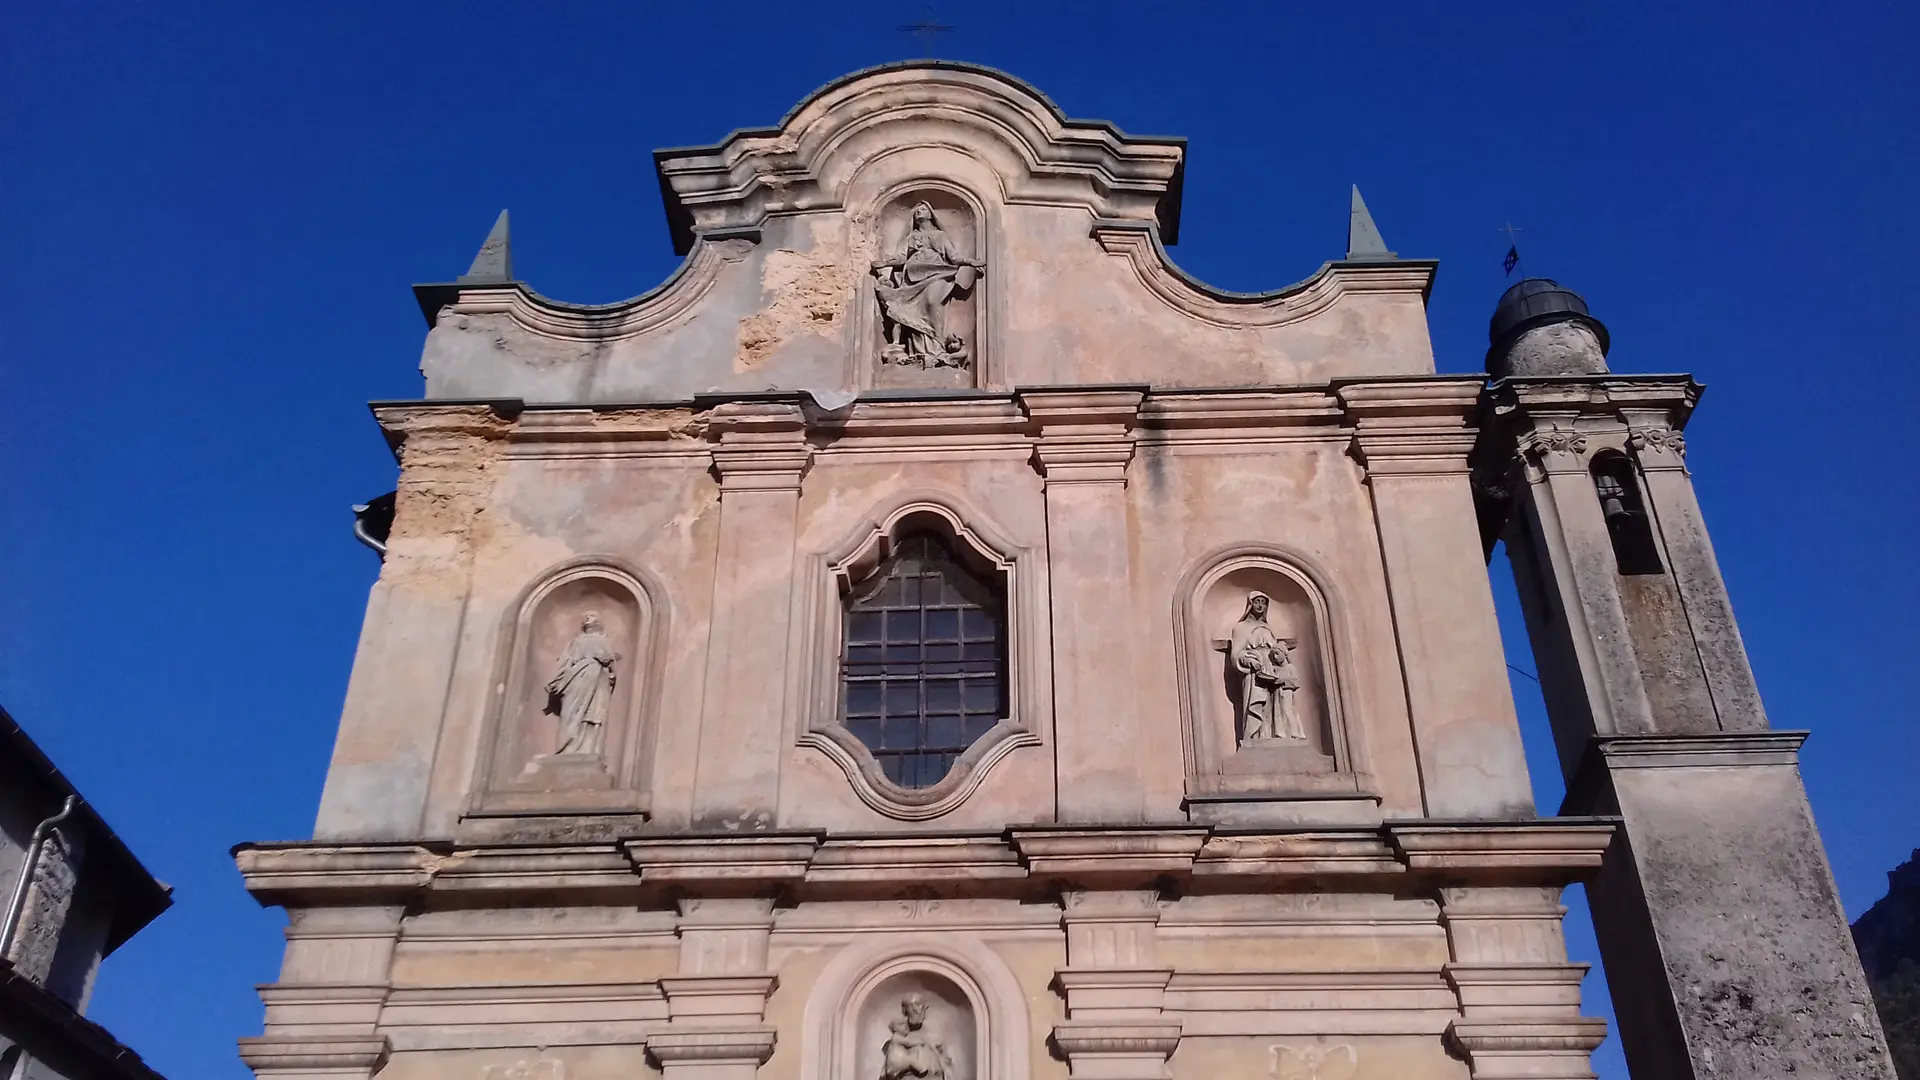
(829, 575)
(630, 744)
(1207, 747)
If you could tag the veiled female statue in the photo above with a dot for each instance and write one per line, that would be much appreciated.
(1268, 678)
(915, 284)
(910, 1053)
(584, 688)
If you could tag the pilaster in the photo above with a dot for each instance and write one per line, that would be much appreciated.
(1519, 997)
(1413, 437)
(1085, 443)
(396, 699)
(323, 1014)
(1115, 989)
(1660, 452)
(716, 1005)
(760, 455)
(1568, 569)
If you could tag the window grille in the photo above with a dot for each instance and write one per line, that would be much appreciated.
(923, 668)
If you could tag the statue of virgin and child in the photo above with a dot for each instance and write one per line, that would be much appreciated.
(915, 285)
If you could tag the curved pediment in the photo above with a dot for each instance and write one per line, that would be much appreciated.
(808, 161)
(923, 228)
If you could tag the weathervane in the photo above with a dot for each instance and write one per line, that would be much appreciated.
(1513, 248)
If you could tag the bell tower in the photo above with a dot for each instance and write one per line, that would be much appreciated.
(1726, 948)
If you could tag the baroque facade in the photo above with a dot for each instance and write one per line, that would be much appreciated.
(931, 637)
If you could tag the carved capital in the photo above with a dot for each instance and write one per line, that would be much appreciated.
(1086, 436)
(720, 1046)
(1411, 427)
(1084, 459)
(759, 445)
(1480, 1041)
(1554, 449)
(1107, 1051)
(343, 1055)
(1658, 448)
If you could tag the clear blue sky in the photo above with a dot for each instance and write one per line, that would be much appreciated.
(209, 219)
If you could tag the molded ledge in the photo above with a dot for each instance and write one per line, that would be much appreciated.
(1606, 754)
(346, 1055)
(1140, 244)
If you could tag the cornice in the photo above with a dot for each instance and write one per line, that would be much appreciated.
(893, 423)
(1588, 396)
(807, 161)
(543, 316)
(1014, 862)
(1145, 252)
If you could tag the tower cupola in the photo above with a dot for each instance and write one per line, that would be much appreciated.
(1541, 327)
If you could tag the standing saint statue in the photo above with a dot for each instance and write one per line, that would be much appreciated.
(910, 1053)
(915, 283)
(1268, 678)
(583, 688)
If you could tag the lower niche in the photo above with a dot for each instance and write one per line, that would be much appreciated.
(1267, 691)
(915, 1026)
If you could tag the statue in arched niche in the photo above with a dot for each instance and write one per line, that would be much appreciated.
(583, 688)
(916, 283)
(1269, 679)
(911, 1052)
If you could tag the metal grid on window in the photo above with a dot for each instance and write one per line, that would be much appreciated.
(922, 670)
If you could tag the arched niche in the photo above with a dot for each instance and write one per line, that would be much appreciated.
(521, 767)
(833, 577)
(974, 1009)
(1300, 745)
(924, 310)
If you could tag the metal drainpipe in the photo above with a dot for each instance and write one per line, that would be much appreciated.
(17, 906)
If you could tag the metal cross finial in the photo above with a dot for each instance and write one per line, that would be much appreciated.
(1510, 229)
(927, 30)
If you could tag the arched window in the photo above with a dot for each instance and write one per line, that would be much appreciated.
(1628, 527)
(923, 668)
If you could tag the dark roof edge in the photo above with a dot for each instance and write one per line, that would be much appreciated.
(49, 1030)
(142, 896)
(1010, 79)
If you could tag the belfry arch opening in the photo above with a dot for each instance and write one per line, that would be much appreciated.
(1635, 551)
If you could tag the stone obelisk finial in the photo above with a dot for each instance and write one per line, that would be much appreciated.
(494, 263)
(1363, 236)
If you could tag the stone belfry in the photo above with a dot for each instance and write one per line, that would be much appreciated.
(933, 637)
(1726, 948)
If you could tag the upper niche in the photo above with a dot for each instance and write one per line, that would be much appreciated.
(929, 275)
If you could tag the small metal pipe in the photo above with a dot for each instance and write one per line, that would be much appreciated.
(361, 534)
(17, 906)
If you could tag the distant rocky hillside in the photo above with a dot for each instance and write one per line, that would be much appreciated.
(1888, 937)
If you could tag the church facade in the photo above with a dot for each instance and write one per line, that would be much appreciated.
(932, 637)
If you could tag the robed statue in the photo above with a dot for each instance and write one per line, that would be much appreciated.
(1268, 678)
(583, 688)
(915, 284)
(910, 1052)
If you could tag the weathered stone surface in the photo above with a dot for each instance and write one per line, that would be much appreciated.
(1755, 973)
(951, 360)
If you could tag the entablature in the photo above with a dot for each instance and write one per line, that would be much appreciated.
(1028, 861)
(1391, 421)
